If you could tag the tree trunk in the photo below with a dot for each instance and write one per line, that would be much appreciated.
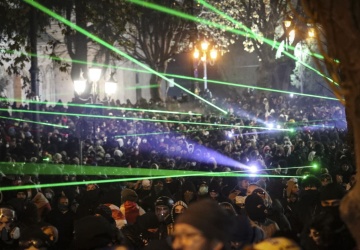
(80, 42)
(340, 22)
(266, 74)
(350, 205)
(156, 94)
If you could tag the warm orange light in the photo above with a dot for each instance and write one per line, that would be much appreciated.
(287, 23)
(213, 54)
(196, 54)
(311, 33)
(204, 45)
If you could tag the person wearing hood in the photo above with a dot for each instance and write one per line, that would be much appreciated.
(88, 201)
(144, 230)
(257, 213)
(308, 205)
(34, 238)
(327, 230)
(62, 217)
(39, 199)
(163, 207)
(178, 208)
(129, 206)
(187, 192)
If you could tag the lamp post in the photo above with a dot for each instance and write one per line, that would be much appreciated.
(81, 84)
(206, 56)
(287, 24)
(110, 87)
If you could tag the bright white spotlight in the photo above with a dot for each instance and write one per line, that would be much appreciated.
(230, 134)
(270, 125)
(253, 169)
(278, 126)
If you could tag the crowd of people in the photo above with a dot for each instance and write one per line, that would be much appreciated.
(269, 174)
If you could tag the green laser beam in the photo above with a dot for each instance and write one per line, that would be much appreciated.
(50, 169)
(144, 119)
(112, 48)
(190, 78)
(247, 29)
(101, 107)
(227, 28)
(268, 41)
(29, 121)
(140, 173)
(144, 86)
(85, 182)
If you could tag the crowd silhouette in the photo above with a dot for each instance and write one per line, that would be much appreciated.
(275, 169)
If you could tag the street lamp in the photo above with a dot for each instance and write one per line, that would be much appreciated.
(80, 84)
(206, 56)
(110, 87)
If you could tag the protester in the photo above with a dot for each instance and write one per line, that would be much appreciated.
(65, 155)
(204, 225)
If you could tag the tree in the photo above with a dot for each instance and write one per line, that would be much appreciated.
(338, 22)
(14, 36)
(153, 37)
(265, 19)
(304, 79)
(105, 19)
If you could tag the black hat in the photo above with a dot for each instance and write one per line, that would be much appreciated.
(255, 208)
(105, 212)
(209, 218)
(147, 221)
(214, 186)
(164, 201)
(188, 186)
(92, 232)
(332, 191)
(128, 195)
(33, 235)
(243, 231)
(311, 181)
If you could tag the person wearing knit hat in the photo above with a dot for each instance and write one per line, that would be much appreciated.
(178, 208)
(204, 225)
(92, 232)
(128, 194)
(129, 207)
(331, 195)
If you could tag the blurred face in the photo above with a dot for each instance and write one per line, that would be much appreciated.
(186, 237)
(162, 212)
(244, 184)
(213, 194)
(330, 203)
(4, 223)
(64, 201)
(179, 209)
(315, 236)
(251, 189)
(345, 167)
(295, 189)
(91, 187)
(21, 195)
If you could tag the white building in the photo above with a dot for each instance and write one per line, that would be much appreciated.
(55, 84)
